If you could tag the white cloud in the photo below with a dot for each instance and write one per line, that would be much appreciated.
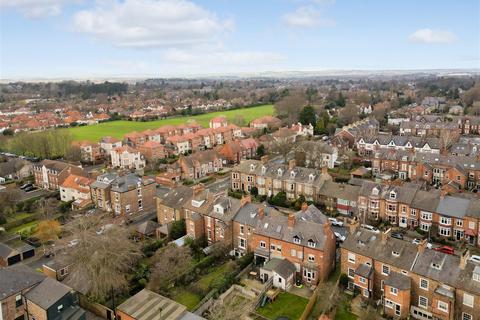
(306, 17)
(36, 8)
(222, 58)
(151, 23)
(432, 36)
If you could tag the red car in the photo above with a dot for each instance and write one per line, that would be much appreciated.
(445, 249)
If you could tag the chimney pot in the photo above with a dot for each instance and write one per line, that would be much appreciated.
(463, 259)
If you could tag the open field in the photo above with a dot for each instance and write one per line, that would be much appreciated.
(119, 128)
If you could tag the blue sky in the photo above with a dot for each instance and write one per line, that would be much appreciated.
(87, 39)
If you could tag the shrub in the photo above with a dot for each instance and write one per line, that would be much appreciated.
(254, 191)
(188, 182)
(343, 280)
(3, 220)
(244, 261)
(280, 199)
(235, 194)
(178, 229)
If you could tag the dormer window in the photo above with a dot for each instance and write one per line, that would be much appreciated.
(311, 177)
(292, 174)
(396, 253)
(296, 239)
(393, 195)
(219, 209)
(252, 167)
(311, 243)
(476, 274)
(264, 169)
(279, 172)
(375, 191)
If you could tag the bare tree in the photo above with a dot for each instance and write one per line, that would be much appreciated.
(289, 107)
(47, 230)
(447, 138)
(282, 146)
(171, 262)
(349, 114)
(100, 263)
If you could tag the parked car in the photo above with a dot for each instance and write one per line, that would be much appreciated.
(417, 242)
(370, 228)
(335, 222)
(397, 235)
(30, 188)
(72, 243)
(445, 249)
(474, 258)
(26, 185)
(339, 237)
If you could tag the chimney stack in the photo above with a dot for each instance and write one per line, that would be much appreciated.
(463, 259)
(443, 193)
(291, 164)
(304, 206)
(422, 246)
(198, 188)
(353, 226)
(291, 220)
(245, 199)
(324, 170)
(385, 236)
(261, 212)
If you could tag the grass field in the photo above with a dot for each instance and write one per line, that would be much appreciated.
(286, 305)
(119, 128)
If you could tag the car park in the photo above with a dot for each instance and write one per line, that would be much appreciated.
(445, 249)
(370, 228)
(335, 222)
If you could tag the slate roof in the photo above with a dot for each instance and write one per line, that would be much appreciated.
(301, 174)
(306, 229)
(17, 278)
(47, 293)
(394, 251)
(128, 182)
(339, 190)
(415, 141)
(176, 197)
(147, 227)
(364, 270)
(399, 281)
(281, 266)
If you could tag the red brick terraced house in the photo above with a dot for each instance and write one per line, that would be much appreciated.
(410, 281)
(200, 164)
(305, 239)
(50, 174)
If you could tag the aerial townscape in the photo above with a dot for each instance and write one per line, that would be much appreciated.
(218, 160)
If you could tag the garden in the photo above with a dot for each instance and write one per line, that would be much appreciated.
(285, 306)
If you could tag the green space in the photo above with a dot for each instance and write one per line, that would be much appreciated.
(119, 128)
(18, 216)
(191, 295)
(343, 312)
(186, 297)
(24, 228)
(286, 305)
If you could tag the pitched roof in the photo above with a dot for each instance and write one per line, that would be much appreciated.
(17, 278)
(281, 266)
(176, 197)
(47, 293)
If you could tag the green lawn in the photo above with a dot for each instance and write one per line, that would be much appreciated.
(286, 305)
(19, 229)
(18, 216)
(119, 128)
(185, 297)
(219, 271)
